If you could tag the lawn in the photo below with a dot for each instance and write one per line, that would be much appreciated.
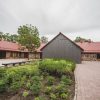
(48, 79)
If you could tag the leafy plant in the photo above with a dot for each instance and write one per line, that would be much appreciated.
(25, 93)
(35, 88)
(40, 98)
(28, 84)
(64, 96)
(36, 85)
(48, 89)
(53, 96)
(60, 88)
(15, 86)
(2, 86)
(66, 80)
(36, 79)
(37, 98)
(57, 67)
(50, 80)
(2, 72)
(39, 79)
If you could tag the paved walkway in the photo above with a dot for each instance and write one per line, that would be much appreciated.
(87, 77)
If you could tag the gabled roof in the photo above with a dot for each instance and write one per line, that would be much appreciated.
(90, 47)
(65, 37)
(41, 46)
(10, 46)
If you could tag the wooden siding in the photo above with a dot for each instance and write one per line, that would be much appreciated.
(61, 47)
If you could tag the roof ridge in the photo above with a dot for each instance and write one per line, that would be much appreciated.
(65, 37)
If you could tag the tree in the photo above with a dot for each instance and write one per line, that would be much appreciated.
(44, 39)
(29, 36)
(80, 39)
(1, 35)
(14, 38)
(7, 36)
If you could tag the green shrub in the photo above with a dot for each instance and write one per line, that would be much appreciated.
(36, 79)
(35, 88)
(66, 80)
(36, 85)
(2, 72)
(15, 77)
(28, 84)
(25, 93)
(2, 86)
(41, 81)
(40, 98)
(58, 67)
(50, 80)
(37, 98)
(64, 96)
(60, 88)
(15, 86)
(53, 96)
(48, 90)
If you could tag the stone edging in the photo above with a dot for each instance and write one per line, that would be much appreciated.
(76, 88)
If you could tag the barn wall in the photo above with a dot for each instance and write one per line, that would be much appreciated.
(61, 47)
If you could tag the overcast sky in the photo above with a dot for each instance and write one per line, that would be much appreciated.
(71, 17)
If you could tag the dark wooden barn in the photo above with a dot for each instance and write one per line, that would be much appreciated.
(62, 47)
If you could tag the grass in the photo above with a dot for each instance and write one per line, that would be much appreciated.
(49, 79)
(58, 67)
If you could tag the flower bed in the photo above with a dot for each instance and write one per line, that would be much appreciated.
(49, 79)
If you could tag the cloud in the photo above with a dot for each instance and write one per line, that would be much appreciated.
(51, 16)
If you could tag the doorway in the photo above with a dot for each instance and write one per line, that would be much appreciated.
(2, 54)
(98, 56)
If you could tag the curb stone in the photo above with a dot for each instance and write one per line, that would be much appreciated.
(76, 87)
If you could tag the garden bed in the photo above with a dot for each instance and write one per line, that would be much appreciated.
(49, 79)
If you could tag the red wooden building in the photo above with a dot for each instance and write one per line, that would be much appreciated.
(91, 50)
(12, 50)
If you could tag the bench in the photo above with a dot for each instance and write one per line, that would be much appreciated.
(14, 63)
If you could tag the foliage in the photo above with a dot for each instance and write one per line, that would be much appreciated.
(39, 98)
(80, 39)
(36, 85)
(9, 37)
(25, 93)
(48, 89)
(64, 96)
(2, 72)
(28, 84)
(15, 77)
(66, 80)
(57, 67)
(2, 86)
(40, 84)
(50, 80)
(29, 36)
(61, 88)
(35, 88)
(44, 39)
(15, 86)
(53, 96)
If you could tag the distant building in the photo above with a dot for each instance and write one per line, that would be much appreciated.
(37, 52)
(91, 50)
(61, 47)
(12, 50)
